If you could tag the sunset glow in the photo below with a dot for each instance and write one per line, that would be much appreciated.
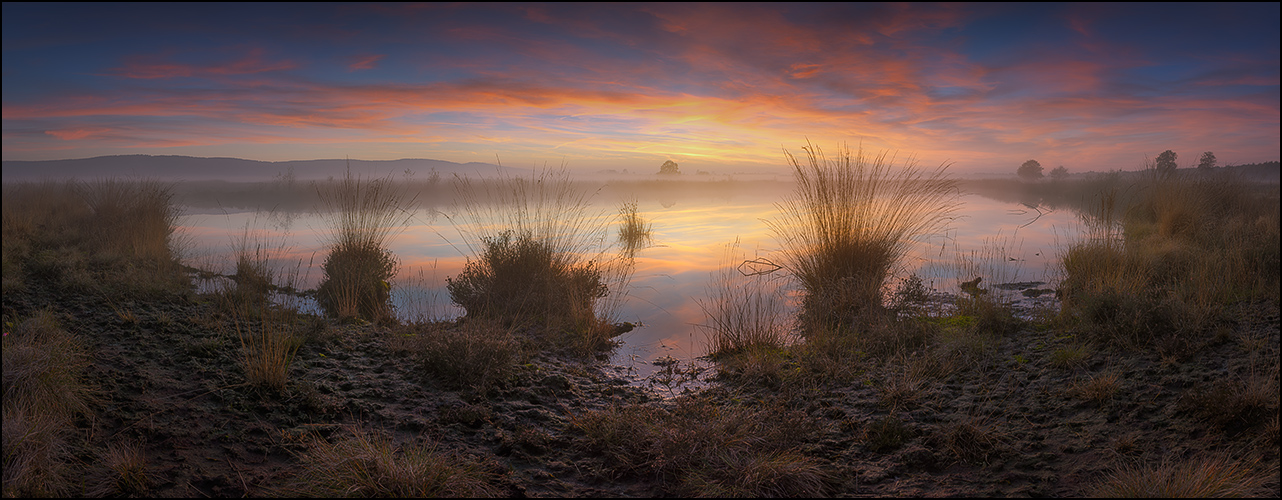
(715, 87)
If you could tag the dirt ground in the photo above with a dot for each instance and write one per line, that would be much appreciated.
(1014, 425)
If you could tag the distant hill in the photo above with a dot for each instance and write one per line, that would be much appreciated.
(191, 168)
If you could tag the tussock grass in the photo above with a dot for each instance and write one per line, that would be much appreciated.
(43, 391)
(540, 257)
(127, 466)
(699, 449)
(366, 465)
(363, 215)
(1097, 388)
(267, 346)
(850, 222)
(1206, 477)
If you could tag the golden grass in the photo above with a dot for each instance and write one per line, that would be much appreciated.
(1172, 261)
(111, 236)
(1211, 476)
(43, 391)
(372, 466)
(849, 223)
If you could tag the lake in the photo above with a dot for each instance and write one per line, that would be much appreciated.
(692, 228)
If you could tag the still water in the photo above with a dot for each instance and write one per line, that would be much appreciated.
(691, 233)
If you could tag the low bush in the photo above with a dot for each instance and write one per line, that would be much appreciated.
(520, 277)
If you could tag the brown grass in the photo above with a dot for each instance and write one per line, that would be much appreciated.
(699, 449)
(372, 466)
(1211, 476)
(43, 391)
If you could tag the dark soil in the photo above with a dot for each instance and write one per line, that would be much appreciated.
(1012, 425)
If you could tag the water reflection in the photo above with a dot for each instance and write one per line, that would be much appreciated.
(689, 229)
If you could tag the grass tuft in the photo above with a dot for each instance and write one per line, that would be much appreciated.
(850, 222)
(363, 214)
(372, 466)
(1211, 476)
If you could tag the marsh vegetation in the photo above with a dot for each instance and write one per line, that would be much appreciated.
(837, 366)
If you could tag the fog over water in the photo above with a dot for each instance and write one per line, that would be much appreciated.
(692, 225)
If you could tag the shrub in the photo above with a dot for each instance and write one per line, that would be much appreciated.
(540, 257)
(519, 277)
(356, 281)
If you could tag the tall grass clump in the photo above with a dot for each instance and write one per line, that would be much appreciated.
(539, 256)
(362, 214)
(850, 221)
(43, 392)
(745, 310)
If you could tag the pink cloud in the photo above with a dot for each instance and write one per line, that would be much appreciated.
(155, 67)
(368, 61)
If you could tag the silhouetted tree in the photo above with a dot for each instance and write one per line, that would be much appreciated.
(1165, 163)
(669, 167)
(1059, 172)
(1207, 162)
(1030, 170)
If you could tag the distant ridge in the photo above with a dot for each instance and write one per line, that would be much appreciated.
(192, 168)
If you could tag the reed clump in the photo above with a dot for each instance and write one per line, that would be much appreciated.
(745, 310)
(634, 230)
(849, 223)
(540, 257)
(363, 215)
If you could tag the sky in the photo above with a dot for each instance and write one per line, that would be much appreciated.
(718, 87)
